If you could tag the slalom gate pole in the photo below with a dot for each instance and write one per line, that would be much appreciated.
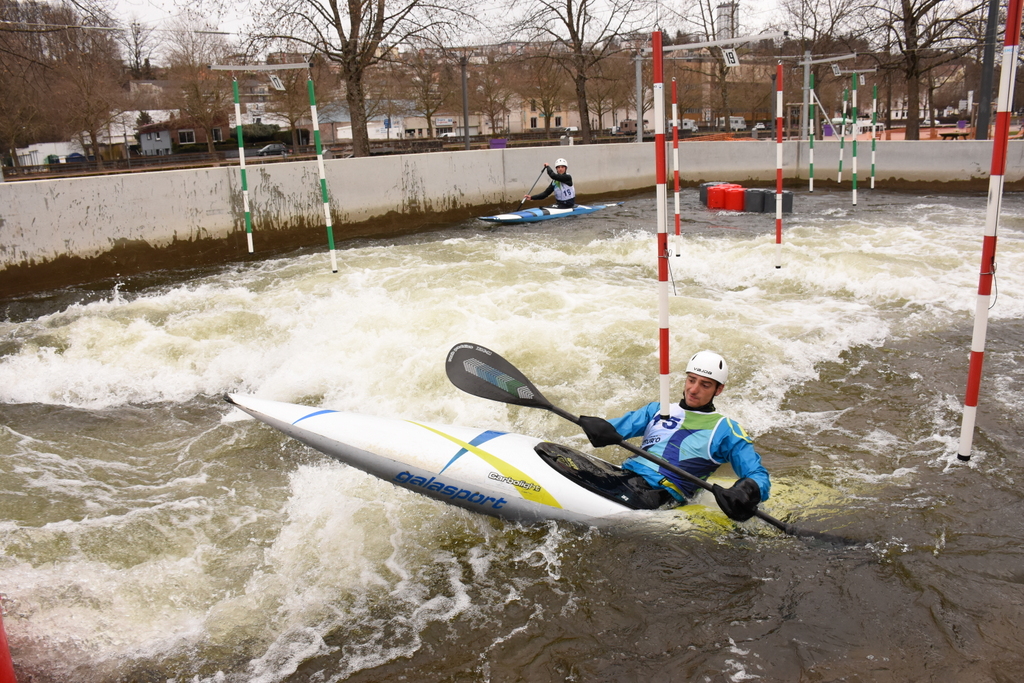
(241, 166)
(810, 139)
(842, 140)
(874, 131)
(6, 664)
(675, 160)
(856, 130)
(659, 160)
(323, 175)
(1007, 78)
(233, 68)
(778, 166)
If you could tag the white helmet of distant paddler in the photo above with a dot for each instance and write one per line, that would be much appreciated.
(561, 162)
(709, 364)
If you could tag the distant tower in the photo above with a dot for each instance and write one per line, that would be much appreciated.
(727, 21)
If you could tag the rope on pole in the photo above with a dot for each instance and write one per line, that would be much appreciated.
(778, 166)
(663, 254)
(1007, 78)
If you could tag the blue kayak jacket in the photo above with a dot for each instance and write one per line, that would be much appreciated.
(698, 442)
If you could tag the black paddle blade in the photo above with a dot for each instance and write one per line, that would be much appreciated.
(824, 537)
(481, 372)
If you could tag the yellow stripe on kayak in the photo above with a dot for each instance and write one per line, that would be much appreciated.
(537, 494)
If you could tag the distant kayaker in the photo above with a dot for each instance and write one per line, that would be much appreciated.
(695, 437)
(561, 185)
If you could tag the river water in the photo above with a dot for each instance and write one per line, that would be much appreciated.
(149, 533)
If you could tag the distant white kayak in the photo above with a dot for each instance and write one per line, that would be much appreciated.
(501, 474)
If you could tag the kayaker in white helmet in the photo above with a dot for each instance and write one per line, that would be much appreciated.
(695, 437)
(561, 185)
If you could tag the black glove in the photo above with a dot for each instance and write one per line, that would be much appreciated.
(739, 500)
(599, 431)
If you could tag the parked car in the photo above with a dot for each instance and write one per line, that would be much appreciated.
(450, 134)
(759, 126)
(272, 149)
(570, 129)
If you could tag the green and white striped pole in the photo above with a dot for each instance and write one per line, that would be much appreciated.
(810, 155)
(856, 130)
(842, 139)
(323, 176)
(238, 127)
(874, 131)
(241, 165)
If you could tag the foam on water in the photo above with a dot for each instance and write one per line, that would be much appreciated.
(372, 335)
(257, 568)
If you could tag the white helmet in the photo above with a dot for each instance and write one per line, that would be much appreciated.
(709, 364)
(561, 162)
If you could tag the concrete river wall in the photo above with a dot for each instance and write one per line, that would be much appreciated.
(71, 230)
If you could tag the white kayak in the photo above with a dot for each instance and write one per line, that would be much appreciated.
(512, 476)
(545, 213)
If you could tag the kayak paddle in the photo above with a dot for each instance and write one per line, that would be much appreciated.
(531, 188)
(482, 372)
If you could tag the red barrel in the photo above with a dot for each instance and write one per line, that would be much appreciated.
(716, 196)
(734, 198)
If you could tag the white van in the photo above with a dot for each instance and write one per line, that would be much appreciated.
(863, 126)
(688, 124)
(735, 123)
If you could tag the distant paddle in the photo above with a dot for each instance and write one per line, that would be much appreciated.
(531, 188)
(482, 372)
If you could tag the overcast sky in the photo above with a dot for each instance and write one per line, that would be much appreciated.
(754, 14)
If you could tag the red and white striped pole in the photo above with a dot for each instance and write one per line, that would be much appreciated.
(662, 198)
(1011, 50)
(675, 158)
(6, 665)
(778, 166)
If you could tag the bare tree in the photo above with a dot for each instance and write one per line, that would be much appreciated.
(602, 93)
(138, 42)
(292, 103)
(387, 92)
(493, 95)
(542, 86)
(357, 35)
(23, 72)
(204, 95)
(48, 56)
(925, 34)
(87, 75)
(628, 82)
(823, 28)
(583, 34)
(431, 83)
